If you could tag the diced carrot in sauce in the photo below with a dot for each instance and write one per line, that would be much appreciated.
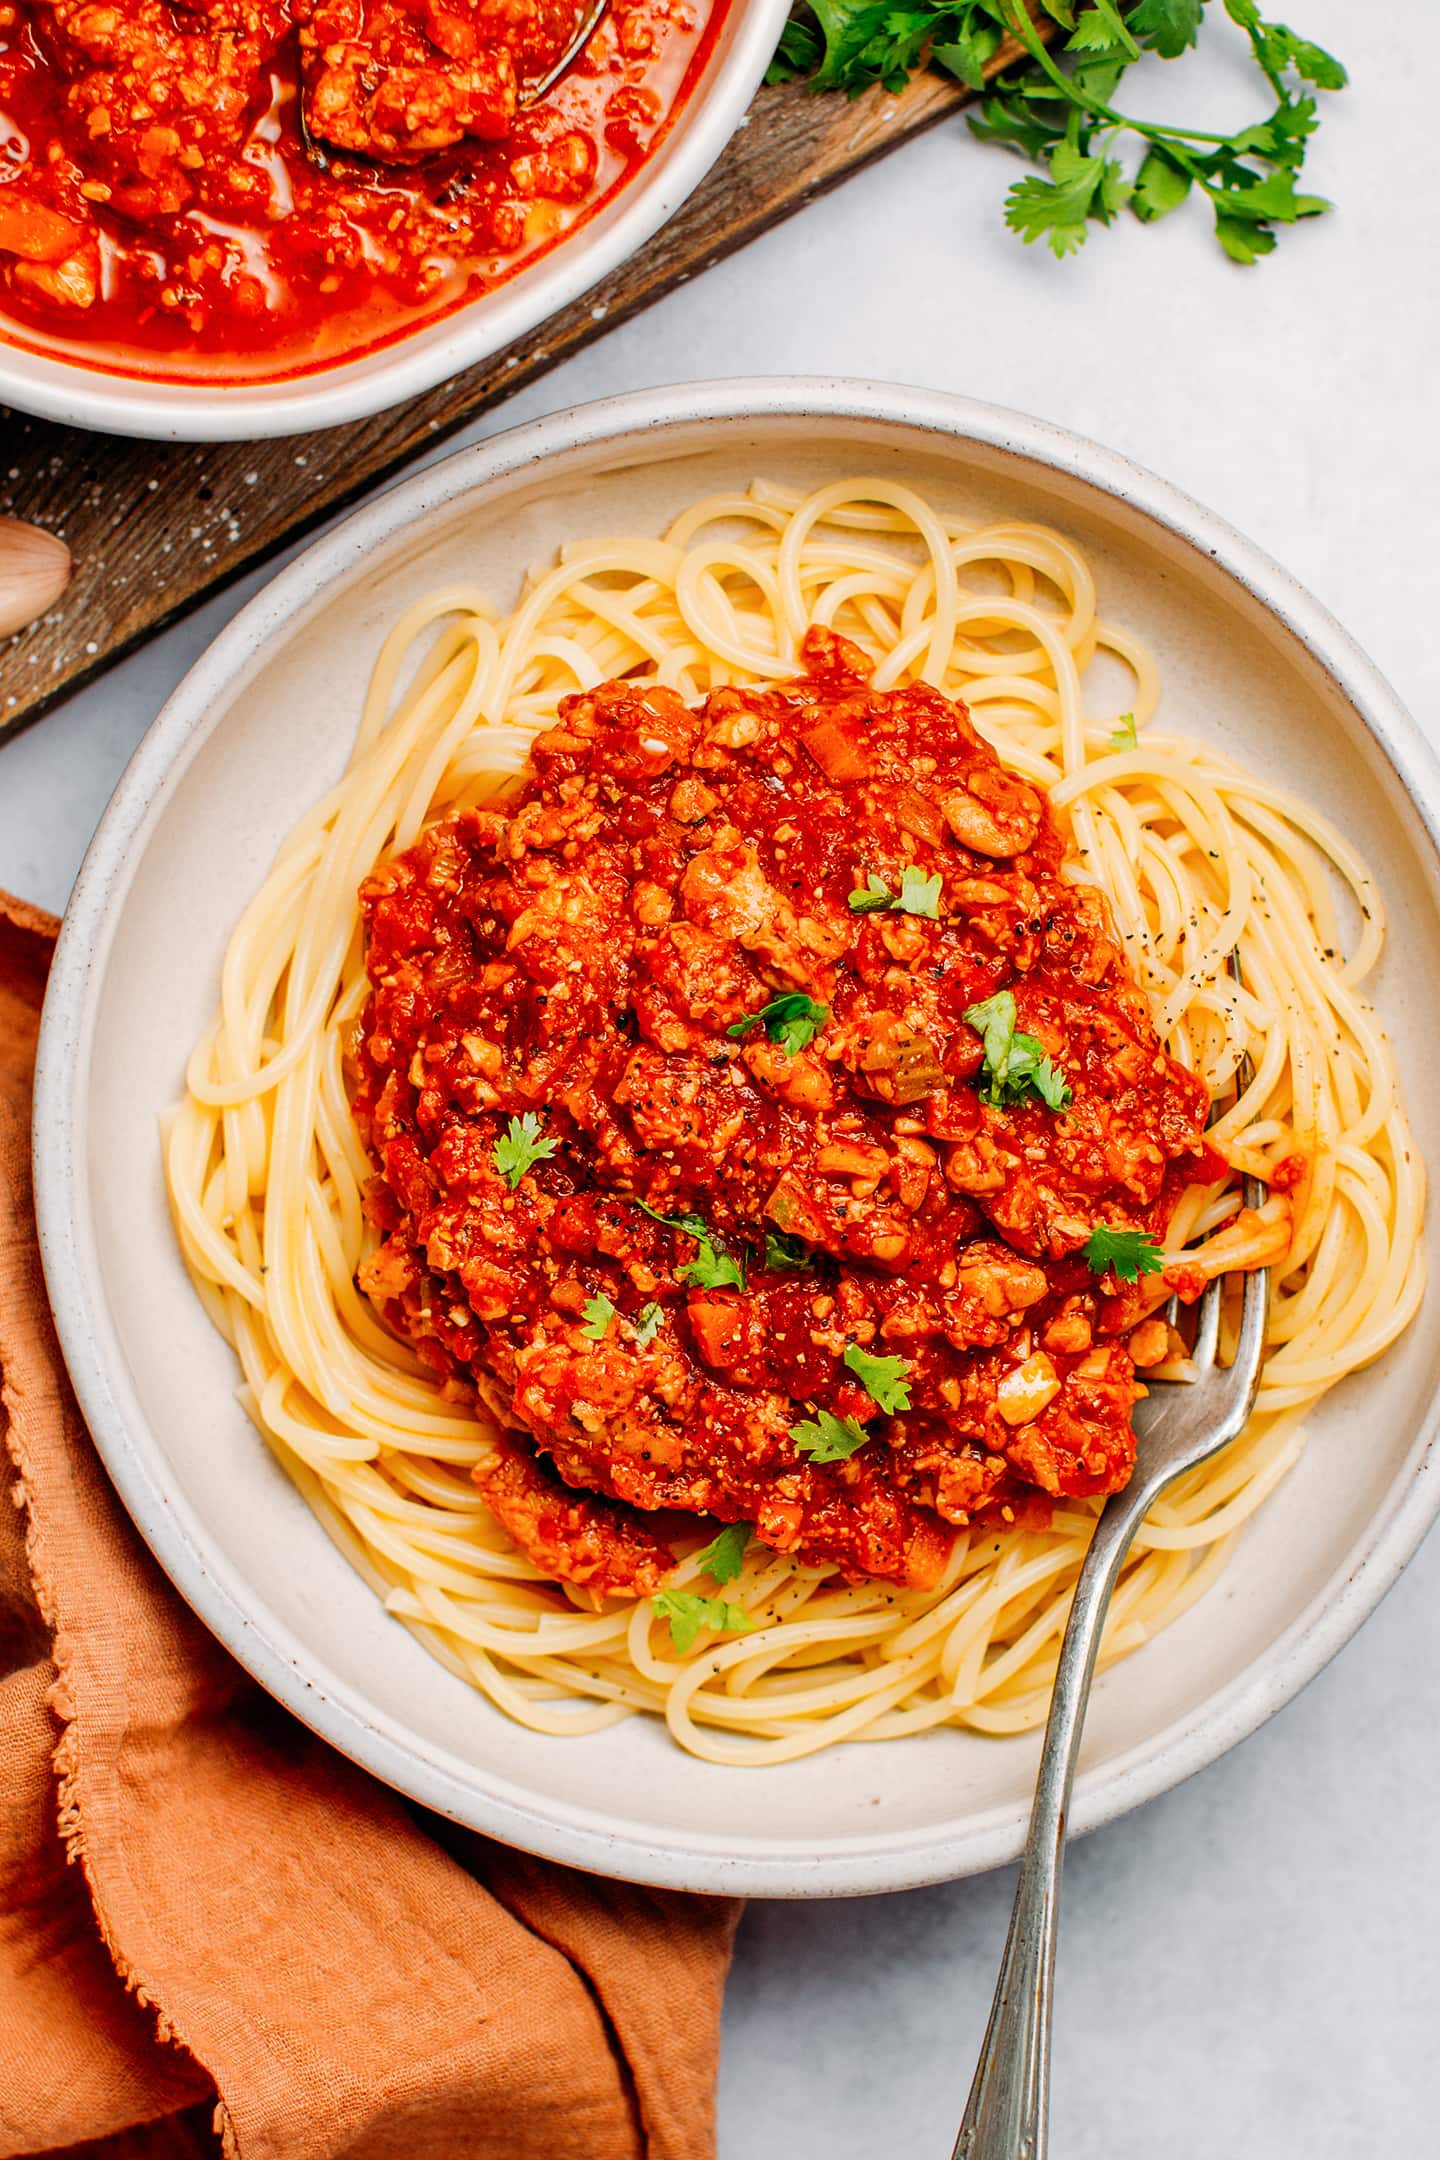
(35, 234)
(837, 750)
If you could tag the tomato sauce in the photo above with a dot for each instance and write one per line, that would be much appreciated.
(686, 1154)
(243, 190)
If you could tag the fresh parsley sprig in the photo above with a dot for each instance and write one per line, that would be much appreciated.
(1126, 1254)
(1060, 111)
(688, 1613)
(871, 896)
(520, 1146)
(724, 1557)
(792, 1020)
(693, 1225)
(1014, 1062)
(884, 1379)
(918, 894)
(826, 1438)
(712, 1268)
(598, 1312)
(647, 1324)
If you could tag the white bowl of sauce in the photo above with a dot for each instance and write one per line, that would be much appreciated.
(239, 218)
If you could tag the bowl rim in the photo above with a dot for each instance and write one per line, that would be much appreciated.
(50, 387)
(70, 1253)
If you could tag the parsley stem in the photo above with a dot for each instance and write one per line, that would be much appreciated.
(1166, 138)
(1273, 75)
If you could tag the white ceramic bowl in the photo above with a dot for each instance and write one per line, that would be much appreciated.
(262, 725)
(193, 412)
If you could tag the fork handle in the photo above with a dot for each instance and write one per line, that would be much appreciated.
(1006, 2116)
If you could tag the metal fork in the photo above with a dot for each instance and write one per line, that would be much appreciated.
(1178, 1425)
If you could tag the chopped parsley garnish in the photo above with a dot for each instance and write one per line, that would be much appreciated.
(827, 1438)
(873, 894)
(792, 1020)
(918, 894)
(1123, 735)
(1058, 107)
(712, 1268)
(784, 1252)
(884, 1379)
(724, 1557)
(647, 1324)
(1126, 1254)
(692, 1225)
(599, 1312)
(688, 1614)
(521, 1146)
(1014, 1061)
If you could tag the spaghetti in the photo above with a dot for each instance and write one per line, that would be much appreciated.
(1200, 861)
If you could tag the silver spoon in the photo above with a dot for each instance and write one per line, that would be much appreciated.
(1178, 1425)
(530, 92)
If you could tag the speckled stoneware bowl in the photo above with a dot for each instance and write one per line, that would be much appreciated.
(81, 395)
(262, 725)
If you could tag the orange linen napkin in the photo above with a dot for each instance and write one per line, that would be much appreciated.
(249, 1922)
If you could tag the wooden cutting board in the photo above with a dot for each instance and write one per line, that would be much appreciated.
(155, 527)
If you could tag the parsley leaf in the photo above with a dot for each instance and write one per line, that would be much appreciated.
(798, 53)
(919, 895)
(792, 1020)
(873, 894)
(724, 1557)
(1277, 50)
(1057, 210)
(1167, 26)
(967, 50)
(1014, 1061)
(692, 1225)
(1124, 736)
(867, 41)
(711, 1269)
(599, 1312)
(1008, 118)
(884, 1379)
(826, 1438)
(1101, 28)
(1160, 187)
(1126, 1254)
(688, 1614)
(647, 1324)
(1313, 64)
(1243, 243)
(520, 1146)
(782, 1252)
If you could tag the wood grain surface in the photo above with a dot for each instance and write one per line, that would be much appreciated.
(154, 527)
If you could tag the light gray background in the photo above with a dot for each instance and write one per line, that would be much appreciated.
(1251, 1966)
